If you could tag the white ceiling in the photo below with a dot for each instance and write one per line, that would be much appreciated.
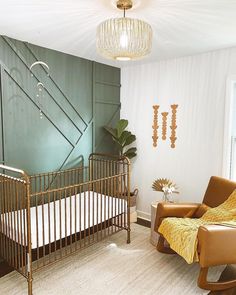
(181, 27)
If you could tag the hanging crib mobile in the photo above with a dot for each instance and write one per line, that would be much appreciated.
(40, 86)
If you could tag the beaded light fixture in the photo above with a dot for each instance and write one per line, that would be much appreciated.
(124, 38)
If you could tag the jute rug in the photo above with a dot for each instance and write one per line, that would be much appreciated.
(113, 267)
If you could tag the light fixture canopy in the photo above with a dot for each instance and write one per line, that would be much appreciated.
(124, 38)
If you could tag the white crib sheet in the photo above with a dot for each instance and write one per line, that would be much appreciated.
(97, 208)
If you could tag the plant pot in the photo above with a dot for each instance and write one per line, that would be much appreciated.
(133, 199)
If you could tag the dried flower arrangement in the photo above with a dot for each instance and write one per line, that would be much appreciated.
(166, 186)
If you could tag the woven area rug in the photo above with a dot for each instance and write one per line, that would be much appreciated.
(113, 267)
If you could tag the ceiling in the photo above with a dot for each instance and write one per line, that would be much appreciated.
(181, 27)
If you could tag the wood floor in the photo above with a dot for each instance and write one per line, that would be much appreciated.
(229, 273)
(114, 267)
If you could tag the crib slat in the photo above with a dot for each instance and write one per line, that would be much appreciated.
(122, 200)
(18, 227)
(76, 229)
(1, 217)
(97, 196)
(21, 230)
(80, 217)
(37, 230)
(8, 222)
(93, 212)
(14, 185)
(85, 197)
(25, 235)
(70, 193)
(55, 225)
(123, 184)
(101, 201)
(43, 221)
(49, 228)
(89, 214)
(105, 197)
(60, 222)
(117, 199)
(65, 212)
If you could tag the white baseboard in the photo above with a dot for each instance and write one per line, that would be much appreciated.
(144, 215)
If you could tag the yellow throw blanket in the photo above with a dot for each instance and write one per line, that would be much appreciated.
(181, 233)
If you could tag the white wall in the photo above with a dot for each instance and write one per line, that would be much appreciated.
(234, 112)
(198, 85)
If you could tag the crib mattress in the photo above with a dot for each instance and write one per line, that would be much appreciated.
(78, 213)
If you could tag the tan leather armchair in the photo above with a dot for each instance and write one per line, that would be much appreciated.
(216, 243)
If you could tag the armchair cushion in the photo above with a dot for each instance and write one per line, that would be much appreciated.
(201, 210)
(218, 191)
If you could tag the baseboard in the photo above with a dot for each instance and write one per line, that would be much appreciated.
(144, 222)
(144, 215)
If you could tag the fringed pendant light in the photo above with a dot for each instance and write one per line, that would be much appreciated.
(124, 38)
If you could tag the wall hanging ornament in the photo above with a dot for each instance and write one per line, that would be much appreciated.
(164, 124)
(40, 86)
(155, 125)
(173, 126)
(39, 96)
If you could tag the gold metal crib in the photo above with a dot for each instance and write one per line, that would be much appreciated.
(47, 217)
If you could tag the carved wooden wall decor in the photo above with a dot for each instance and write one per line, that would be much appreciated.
(155, 125)
(173, 126)
(164, 124)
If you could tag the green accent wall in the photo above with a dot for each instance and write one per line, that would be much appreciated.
(106, 101)
(80, 97)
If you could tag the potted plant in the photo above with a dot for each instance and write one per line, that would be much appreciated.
(123, 139)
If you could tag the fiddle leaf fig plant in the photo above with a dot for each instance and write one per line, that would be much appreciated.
(123, 138)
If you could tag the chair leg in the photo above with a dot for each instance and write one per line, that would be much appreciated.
(162, 248)
(213, 286)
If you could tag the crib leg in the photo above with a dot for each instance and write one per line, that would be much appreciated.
(128, 235)
(30, 286)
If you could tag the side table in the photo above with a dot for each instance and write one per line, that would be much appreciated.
(154, 236)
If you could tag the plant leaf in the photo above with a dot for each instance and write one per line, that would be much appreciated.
(121, 125)
(131, 150)
(112, 131)
(122, 139)
(131, 155)
(129, 140)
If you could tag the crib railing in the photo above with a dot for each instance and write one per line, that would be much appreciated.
(15, 230)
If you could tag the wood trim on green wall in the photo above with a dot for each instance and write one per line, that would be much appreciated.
(1, 119)
(106, 101)
(80, 97)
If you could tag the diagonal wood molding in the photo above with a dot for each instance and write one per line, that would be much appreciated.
(107, 124)
(57, 86)
(35, 103)
(12, 47)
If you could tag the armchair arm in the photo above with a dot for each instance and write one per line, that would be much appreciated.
(216, 245)
(174, 210)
